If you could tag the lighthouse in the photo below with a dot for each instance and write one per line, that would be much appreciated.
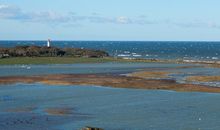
(48, 43)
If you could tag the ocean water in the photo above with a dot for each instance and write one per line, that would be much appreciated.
(140, 49)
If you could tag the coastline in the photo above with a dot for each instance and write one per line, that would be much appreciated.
(136, 80)
(72, 60)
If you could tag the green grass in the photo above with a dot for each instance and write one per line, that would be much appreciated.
(51, 60)
(62, 60)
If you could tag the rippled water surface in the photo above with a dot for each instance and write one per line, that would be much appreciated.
(140, 49)
(10, 70)
(108, 108)
(23, 106)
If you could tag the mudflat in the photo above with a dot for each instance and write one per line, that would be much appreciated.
(110, 80)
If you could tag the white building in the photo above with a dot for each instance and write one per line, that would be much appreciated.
(48, 43)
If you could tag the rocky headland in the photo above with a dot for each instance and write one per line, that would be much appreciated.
(43, 51)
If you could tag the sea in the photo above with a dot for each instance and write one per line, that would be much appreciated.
(182, 50)
(23, 106)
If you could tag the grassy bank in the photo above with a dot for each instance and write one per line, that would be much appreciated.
(51, 60)
(62, 60)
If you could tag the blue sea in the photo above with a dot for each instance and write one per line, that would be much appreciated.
(207, 51)
(113, 108)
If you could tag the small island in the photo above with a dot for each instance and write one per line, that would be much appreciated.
(51, 55)
(43, 51)
(32, 54)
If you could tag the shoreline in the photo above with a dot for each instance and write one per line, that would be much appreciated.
(109, 80)
(72, 60)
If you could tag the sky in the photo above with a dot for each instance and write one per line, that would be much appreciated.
(114, 20)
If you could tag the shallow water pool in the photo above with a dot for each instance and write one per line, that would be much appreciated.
(109, 108)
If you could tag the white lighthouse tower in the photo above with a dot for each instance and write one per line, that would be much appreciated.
(48, 42)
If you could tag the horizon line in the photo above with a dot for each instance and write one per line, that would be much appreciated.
(56, 40)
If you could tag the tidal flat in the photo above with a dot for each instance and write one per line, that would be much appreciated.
(108, 95)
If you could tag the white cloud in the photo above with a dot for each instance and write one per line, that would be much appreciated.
(47, 16)
(9, 12)
(213, 25)
(3, 6)
(16, 13)
(123, 20)
(196, 24)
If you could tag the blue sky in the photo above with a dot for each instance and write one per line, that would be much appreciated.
(142, 20)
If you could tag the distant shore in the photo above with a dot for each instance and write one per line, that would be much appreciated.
(73, 60)
(54, 55)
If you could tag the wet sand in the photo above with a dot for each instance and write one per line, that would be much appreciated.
(204, 78)
(150, 74)
(110, 80)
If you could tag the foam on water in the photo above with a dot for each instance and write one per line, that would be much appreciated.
(156, 49)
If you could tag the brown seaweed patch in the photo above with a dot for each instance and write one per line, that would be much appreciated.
(204, 78)
(59, 111)
(54, 82)
(149, 74)
(117, 81)
(19, 79)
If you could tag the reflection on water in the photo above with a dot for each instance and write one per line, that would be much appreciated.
(110, 108)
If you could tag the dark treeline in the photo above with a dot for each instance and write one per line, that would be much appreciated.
(38, 51)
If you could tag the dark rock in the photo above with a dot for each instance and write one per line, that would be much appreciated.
(91, 128)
